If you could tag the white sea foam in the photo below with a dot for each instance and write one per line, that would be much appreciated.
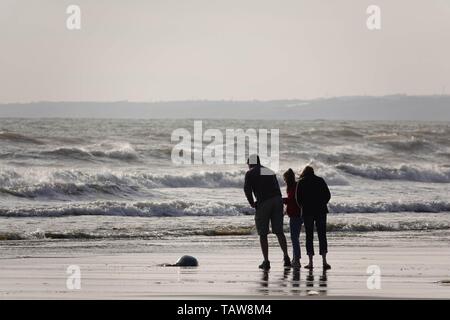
(119, 151)
(196, 208)
(139, 231)
(401, 172)
(145, 209)
(34, 183)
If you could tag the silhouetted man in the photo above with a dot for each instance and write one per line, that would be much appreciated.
(263, 183)
(312, 197)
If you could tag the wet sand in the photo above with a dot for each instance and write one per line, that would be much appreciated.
(228, 272)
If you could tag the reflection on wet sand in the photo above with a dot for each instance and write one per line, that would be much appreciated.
(264, 289)
(290, 283)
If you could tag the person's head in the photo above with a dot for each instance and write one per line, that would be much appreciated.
(253, 161)
(289, 178)
(307, 171)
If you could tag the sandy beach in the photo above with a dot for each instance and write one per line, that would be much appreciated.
(228, 269)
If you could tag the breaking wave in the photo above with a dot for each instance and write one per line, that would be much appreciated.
(60, 183)
(410, 145)
(403, 172)
(55, 184)
(18, 138)
(137, 209)
(371, 226)
(215, 231)
(118, 151)
(181, 208)
(344, 133)
(398, 206)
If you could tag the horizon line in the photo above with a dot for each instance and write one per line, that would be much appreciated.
(232, 100)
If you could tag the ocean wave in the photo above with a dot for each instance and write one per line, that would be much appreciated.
(215, 231)
(371, 226)
(56, 190)
(396, 206)
(214, 179)
(332, 226)
(69, 152)
(181, 208)
(18, 138)
(114, 234)
(41, 235)
(382, 136)
(342, 132)
(56, 183)
(136, 209)
(409, 145)
(444, 154)
(118, 151)
(330, 174)
(227, 231)
(403, 172)
(356, 156)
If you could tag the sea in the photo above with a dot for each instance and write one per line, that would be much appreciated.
(103, 180)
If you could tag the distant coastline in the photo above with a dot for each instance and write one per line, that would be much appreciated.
(392, 107)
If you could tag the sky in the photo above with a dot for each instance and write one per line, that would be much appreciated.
(165, 50)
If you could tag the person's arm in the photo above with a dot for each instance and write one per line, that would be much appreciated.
(249, 190)
(298, 195)
(286, 199)
(326, 192)
(290, 199)
(291, 195)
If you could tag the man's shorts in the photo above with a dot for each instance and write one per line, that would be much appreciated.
(271, 210)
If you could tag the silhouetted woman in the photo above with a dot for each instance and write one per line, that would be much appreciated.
(312, 197)
(295, 218)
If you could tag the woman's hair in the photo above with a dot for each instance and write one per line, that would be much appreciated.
(289, 176)
(307, 172)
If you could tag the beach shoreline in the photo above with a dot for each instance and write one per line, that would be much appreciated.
(226, 271)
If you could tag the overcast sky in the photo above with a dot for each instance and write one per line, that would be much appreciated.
(147, 50)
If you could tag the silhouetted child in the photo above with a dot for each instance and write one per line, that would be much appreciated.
(295, 218)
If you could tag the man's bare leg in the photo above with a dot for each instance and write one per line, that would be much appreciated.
(326, 266)
(283, 245)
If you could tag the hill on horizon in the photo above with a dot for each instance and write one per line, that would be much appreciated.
(395, 107)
